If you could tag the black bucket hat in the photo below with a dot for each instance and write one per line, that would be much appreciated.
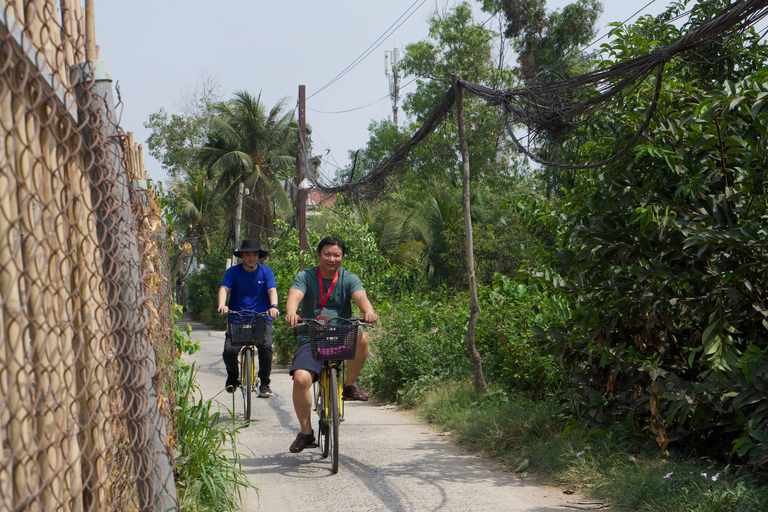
(250, 245)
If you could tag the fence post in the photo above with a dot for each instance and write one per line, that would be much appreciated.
(136, 365)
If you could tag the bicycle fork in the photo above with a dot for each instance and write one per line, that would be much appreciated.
(254, 381)
(320, 388)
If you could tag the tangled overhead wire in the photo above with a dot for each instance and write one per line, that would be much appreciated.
(555, 108)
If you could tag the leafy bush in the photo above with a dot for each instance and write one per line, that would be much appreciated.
(203, 288)
(424, 339)
(661, 257)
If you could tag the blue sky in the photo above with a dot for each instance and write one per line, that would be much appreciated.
(160, 49)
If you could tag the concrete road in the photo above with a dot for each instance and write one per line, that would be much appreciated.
(389, 461)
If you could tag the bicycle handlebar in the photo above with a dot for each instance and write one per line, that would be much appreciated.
(313, 321)
(245, 313)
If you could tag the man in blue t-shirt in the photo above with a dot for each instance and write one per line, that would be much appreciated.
(327, 290)
(250, 286)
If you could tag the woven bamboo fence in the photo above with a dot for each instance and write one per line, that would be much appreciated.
(85, 314)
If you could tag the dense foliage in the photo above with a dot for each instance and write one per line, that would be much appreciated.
(661, 256)
(424, 341)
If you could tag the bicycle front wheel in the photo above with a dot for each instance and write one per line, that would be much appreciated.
(247, 384)
(335, 418)
(321, 405)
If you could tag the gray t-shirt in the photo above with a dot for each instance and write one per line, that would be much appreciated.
(339, 301)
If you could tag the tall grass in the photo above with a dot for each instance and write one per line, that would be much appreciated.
(517, 431)
(209, 476)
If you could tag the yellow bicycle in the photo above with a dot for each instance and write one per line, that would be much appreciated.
(333, 344)
(246, 330)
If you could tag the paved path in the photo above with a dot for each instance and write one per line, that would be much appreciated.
(389, 461)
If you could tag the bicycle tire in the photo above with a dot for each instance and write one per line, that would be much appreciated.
(335, 419)
(247, 382)
(323, 439)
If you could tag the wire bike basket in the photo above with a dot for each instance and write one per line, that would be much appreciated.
(333, 342)
(246, 331)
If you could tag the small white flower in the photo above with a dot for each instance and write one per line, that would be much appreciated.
(580, 454)
(668, 476)
(704, 475)
(716, 477)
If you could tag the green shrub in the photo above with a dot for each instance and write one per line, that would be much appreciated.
(203, 288)
(423, 338)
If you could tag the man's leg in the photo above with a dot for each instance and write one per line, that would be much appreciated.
(355, 366)
(302, 403)
(230, 363)
(302, 399)
(351, 390)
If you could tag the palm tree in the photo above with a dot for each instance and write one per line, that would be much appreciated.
(200, 201)
(248, 143)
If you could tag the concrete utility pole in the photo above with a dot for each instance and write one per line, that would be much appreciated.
(391, 58)
(301, 172)
(238, 215)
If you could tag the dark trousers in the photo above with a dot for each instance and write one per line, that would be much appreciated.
(264, 351)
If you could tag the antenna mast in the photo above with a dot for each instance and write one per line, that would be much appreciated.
(391, 58)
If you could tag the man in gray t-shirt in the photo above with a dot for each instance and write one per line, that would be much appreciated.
(327, 289)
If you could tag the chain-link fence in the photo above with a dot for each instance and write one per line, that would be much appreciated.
(85, 312)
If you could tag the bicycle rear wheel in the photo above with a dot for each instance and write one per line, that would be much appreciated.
(247, 384)
(335, 418)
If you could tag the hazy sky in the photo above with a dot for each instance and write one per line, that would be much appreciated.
(160, 49)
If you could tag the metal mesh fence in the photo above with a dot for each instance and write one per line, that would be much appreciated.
(85, 312)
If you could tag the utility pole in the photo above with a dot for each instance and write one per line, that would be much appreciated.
(238, 216)
(391, 58)
(301, 171)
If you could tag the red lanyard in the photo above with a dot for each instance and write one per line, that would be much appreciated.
(323, 301)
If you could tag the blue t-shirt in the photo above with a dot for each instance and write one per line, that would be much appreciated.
(248, 290)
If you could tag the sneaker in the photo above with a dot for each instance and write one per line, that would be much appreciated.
(302, 441)
(353, 392)
(265, 392)
(232, 384)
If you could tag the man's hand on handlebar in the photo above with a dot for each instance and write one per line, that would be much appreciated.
(292, 319)
(223, 310)
(370, 318)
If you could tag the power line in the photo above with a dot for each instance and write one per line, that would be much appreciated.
(348, 110)
(358, 108)
(373, 46)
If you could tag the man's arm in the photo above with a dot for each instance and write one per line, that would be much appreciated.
(360, 298)
(292, 305)
(273, 312)
(223, 291)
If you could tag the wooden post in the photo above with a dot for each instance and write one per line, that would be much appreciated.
(91, 50)
(477, 363)
(301, 171)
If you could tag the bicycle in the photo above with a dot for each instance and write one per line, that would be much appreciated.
(247, 333)
(333, 344)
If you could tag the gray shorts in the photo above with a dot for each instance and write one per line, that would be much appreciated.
(303, 360)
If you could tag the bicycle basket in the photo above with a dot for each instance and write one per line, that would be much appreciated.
(333, 342)
(249, 332)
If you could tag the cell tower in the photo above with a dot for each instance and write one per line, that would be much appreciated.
(391, 58)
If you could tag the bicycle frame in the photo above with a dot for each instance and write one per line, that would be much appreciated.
(323, 383)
